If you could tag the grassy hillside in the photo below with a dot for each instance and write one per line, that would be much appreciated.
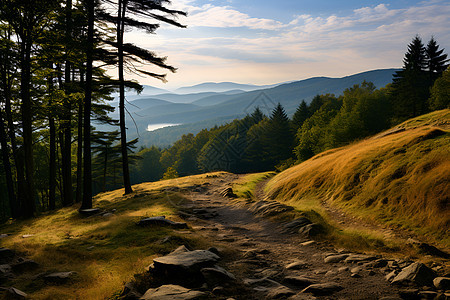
(104, 251)
(400, 177)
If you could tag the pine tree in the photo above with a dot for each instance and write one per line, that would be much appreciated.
(411, 84)
(437, 62)
(257, 115)
(300, 116)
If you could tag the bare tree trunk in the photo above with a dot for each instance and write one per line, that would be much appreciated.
(123, 129)
(27, 124)
(87, 171)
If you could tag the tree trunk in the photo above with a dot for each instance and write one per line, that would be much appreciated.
(13, 205)
(87, 171)
(66, 155)
(123, 132)
(80, 153)
(27, 124)
(52, 150)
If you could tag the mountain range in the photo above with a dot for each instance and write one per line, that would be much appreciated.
(209, 104)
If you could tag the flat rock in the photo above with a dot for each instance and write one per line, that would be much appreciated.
(269, 208)
(6, 255)
(3, 235)
(59, 277)
(216, 275)
(416, 273)
(335, 258)
(279, 292)
(180, 249)
(356, 258)
(442, 283)
(323, 288)
(264, 282)
(172, 292)
(191, 261)
(298, 281)
(297, 265)
(161, 221)
(427, 295)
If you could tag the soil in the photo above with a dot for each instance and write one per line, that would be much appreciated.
(264, 249)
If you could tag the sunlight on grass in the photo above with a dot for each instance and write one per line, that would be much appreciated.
(104, 251)
(245, 186)
(400, 179)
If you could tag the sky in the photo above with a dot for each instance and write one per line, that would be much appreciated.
(266, 42)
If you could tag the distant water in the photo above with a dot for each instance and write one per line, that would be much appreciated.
(153, 127)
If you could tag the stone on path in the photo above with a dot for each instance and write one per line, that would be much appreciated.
(89, 211)
(216, 275)
(172, 292)
(442, 283)
(297, 265)
(59, 277)
(161, 221)
(269, 208)
(416, 273)
(356, 258)
(184, 262)
(323, 288)
(279, 292)
(298, 281)
(335, 258)
(294, 225)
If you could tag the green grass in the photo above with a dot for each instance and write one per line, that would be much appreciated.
(245, 186)
(105, 252)
(399, 179)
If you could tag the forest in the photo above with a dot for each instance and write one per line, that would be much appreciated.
(54, 89)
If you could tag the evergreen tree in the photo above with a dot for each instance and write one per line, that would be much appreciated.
(300, 116)
(437, 62)
(279, 136)
(411, 84)
(257, 115)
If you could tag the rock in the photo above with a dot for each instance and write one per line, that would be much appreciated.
(3, 235)
(216, 275)
(379, 263)
(4, 269)
(228, 193)
(107, 215)
(335, 258)
(298, 281)
(409, 294)
(279, 292)
(59, 277)
(218, 290)
(264, 282)
(24, 266)
(356, 258)
(389, 277)
(301, 296)
(310, 230)
(161, 221)
(180, 249)
(14, 293)
(25, 236)
(442, 283)
(432, 250)
(308, 243)
(172, 292)
(89, 211)
(343, 269)
(356, 270)
(416, 273)
(294, 225)
(6, 255)
(297, 265)
(182, 263)
(390, 298)
(323, 288)
(269, 208)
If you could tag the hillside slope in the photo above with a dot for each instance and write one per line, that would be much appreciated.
(400, 177)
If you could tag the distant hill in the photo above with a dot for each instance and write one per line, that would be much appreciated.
(207, 106)
(399, 177)
(220, 87)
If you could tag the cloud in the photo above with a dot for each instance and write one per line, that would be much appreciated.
(223, 41)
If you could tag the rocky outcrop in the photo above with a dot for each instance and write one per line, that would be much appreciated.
(323, 288)
(416, 273)
(269, 208)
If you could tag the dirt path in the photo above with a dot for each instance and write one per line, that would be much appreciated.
(266, 250)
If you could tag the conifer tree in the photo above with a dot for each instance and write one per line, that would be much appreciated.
(300, 116)
(437, 61)
(279, 137)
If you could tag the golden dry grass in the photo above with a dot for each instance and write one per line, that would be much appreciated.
(105, 252)
(399, 177)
